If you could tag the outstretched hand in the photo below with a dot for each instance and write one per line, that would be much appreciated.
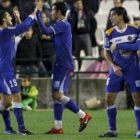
(39, 6)
(16, 12)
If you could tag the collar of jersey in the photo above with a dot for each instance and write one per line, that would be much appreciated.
(121, 31)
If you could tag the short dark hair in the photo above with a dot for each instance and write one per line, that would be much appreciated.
(2, 16)
(122, 1)
(27, 77)
(60, 6)
(121, 11)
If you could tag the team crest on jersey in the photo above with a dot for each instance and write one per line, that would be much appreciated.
(125, 53)
(106, 42)
(129, 38)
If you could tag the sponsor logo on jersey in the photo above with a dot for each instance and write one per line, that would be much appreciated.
(118, 40)
(137, 83)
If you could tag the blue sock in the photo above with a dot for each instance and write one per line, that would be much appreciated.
(112, 112)
(72, 106)
(19, 115)
(137, 115)
(6, 118)
(58, 110)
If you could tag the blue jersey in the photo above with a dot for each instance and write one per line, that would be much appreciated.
(122, 58)
(7, 43)
(133, 47)
(62, 41)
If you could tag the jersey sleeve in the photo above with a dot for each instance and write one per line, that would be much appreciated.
(42, 26)
(59, 28)
(107, 42)
(131, 47)
(20, 28)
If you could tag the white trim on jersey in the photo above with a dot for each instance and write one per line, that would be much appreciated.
(61, 89)
(121, 30)
(32, 16)
(106, 48)
(53, 30)
(124, 39)
(7, 87)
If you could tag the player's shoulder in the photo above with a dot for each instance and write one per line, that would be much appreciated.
(109, 31)
(61, 23)
(139, 26)
(133, 26)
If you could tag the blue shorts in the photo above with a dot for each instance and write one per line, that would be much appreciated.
(61, 79)
(8, 83)
(116, 83)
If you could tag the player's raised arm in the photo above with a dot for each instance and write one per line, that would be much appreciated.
(17, 15)
(22, 27)
(46, 30)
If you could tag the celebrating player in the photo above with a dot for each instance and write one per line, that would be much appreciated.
(63, 66)
(8, 83)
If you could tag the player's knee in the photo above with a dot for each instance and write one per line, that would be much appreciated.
(16, 97)
(137, 101)
(6, 101)
(6, 104)
(57, 96)
(136, 98)
(109, 100)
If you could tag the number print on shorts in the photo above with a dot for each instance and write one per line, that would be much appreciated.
(13, 83)
(107, 82)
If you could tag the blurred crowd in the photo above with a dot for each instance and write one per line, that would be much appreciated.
(33, 45)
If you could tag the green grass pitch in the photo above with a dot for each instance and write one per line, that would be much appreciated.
(39, 122)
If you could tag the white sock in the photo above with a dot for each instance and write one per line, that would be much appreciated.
(64, 99)
(112, 131)
(58, 124)
(81, 114)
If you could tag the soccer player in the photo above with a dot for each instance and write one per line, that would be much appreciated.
(8, 83)
(63, 67)
(124, 67)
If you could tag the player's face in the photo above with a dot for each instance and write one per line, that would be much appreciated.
(54, 13)
(115, 19)
(8, 19)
